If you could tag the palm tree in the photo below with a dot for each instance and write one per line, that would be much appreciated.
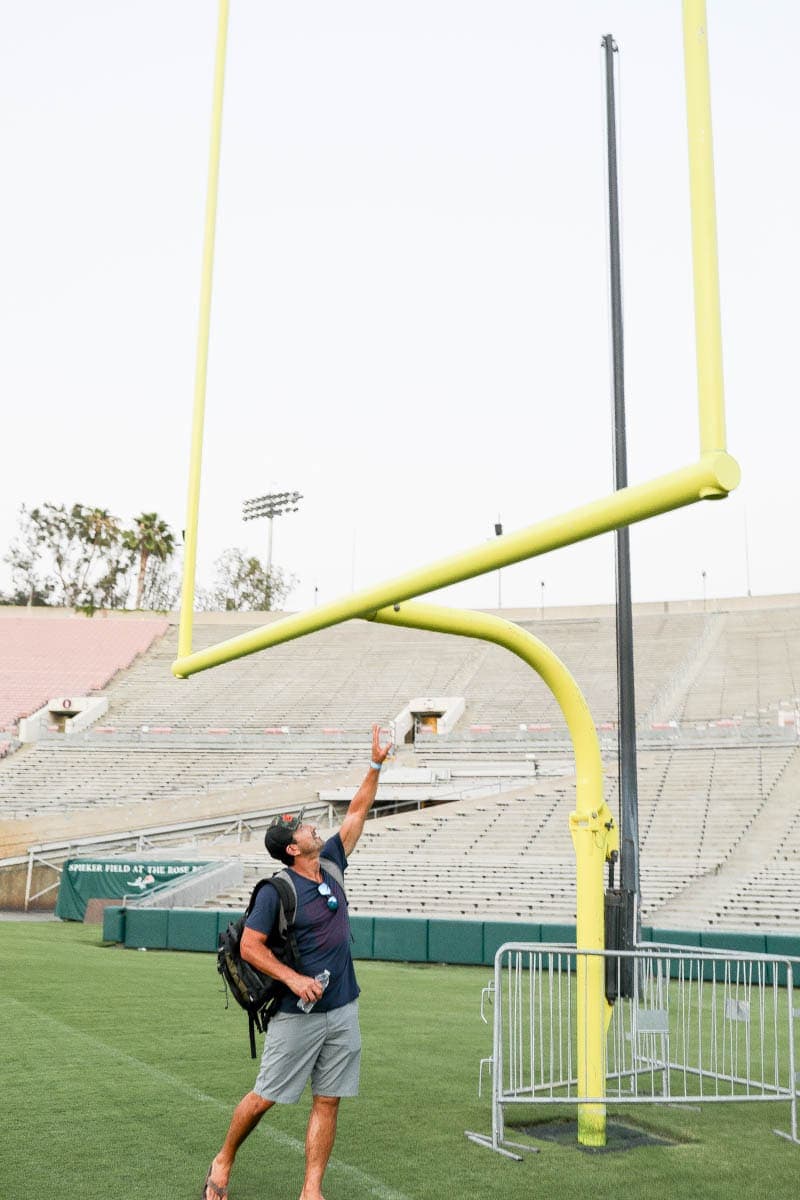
(88, 536)
(150, 538)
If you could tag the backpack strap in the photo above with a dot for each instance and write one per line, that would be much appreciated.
(333, 870)
(281, 881)
(287, 911)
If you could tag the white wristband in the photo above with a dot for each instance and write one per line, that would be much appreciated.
(375, 766)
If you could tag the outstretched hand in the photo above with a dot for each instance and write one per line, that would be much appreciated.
(379, 752)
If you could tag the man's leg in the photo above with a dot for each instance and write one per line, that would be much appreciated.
(246, 1115)
(320, 1136)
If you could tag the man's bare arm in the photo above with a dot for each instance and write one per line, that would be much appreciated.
(353, 824)
(254, 950)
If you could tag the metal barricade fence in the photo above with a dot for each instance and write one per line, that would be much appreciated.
(698, 1026)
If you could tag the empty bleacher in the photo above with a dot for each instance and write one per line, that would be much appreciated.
(752, 671)
(502, 695)
(511, 857)
(57, 776)
(340, 679)
(717, 820)
(43, 657)
(704, 799)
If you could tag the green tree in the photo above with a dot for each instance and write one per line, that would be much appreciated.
(151, 539)
(31, 596)
(162, 587)
(28, 582)
(243, 584)
(73, 553)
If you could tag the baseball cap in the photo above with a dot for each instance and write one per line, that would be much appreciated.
(280, 833)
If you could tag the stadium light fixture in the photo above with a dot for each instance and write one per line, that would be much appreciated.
(273, 504)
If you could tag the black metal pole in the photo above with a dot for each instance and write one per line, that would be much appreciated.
(628, 790)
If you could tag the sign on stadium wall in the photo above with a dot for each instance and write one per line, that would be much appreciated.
(84, 879)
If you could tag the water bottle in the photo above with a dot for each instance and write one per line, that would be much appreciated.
(306, 1005)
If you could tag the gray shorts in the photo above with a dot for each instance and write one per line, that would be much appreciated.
(324, 1046)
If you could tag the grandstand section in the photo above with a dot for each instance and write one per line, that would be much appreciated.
(340, 677)
(511, 857)
(478, 818)
(57, 655)
(691, 667)
(57, 776)
(338, 681)
(502, 693)
(752, 671)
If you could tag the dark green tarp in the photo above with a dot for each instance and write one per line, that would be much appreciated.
(84, 879)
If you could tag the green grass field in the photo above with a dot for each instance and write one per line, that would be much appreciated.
(121, 1069)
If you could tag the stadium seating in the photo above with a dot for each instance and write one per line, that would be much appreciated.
(57, 776)
(752, 670)
(51, 656)
(512, 857)
(342, 678)
(501, 691)
(719, 773)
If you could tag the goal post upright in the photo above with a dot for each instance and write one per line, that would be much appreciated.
(203, 334)
(705, 257)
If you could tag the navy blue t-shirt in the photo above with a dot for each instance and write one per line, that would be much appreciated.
(323, 937)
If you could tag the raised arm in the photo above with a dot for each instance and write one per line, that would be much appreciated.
(362, 802)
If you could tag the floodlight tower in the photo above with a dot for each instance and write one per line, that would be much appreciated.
(274, 504)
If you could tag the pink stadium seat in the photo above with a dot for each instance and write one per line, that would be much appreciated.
(45, 657)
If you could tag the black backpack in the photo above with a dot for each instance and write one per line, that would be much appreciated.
(258, 994)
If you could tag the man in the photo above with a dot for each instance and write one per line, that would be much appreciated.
(325, 1043)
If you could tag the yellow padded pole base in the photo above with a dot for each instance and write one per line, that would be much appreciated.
(592, 1125)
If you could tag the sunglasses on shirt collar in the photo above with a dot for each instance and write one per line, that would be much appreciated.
(324, 890)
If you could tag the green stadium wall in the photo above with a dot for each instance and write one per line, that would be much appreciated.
(410, 939)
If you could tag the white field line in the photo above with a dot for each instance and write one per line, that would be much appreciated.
(375, 1187)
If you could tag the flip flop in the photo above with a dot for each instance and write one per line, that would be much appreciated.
(218, 1191)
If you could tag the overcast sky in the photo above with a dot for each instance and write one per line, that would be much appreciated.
(410, 315)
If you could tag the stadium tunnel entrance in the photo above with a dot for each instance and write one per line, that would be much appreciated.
(426, 716)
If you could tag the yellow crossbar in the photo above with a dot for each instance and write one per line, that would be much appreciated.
(714, 475)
